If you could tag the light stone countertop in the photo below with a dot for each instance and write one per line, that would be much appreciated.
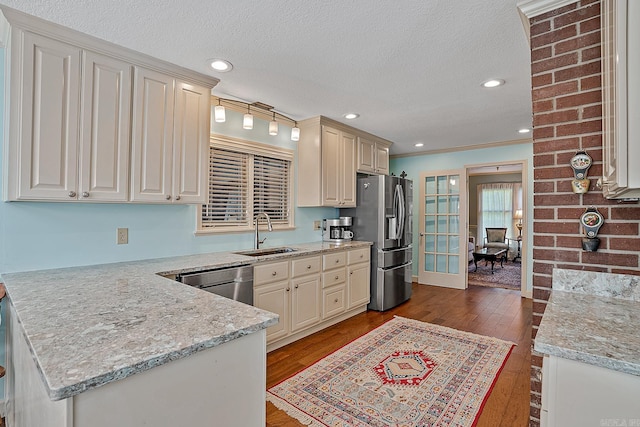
(88, 326)
(593, 318)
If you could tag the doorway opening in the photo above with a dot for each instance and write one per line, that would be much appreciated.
(496, 203)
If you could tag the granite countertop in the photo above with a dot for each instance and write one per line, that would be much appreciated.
(88, 326)
(593, 318)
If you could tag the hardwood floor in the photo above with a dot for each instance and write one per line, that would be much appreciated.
(496, 312)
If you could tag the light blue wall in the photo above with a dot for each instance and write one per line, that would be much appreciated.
(414, 166)
(37, 236)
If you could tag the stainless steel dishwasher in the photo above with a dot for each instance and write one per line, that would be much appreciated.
(235, 283)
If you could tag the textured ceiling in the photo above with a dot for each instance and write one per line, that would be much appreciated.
(412, 69)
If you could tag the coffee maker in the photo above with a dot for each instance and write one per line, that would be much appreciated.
(337, 230)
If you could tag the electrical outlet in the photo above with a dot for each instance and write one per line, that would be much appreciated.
(123, 236)
(316, 225)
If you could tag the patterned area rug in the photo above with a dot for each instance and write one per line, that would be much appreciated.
(404, 373)
(507, 277)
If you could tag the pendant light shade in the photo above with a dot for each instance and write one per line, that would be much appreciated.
(219, 113)
(295, 132)
(247, 120)
(273, 126)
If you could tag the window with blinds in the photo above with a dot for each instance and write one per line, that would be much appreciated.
(245, 179)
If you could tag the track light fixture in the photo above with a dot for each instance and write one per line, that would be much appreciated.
(258, 109)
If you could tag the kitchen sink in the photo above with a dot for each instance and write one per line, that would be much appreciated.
(266, 251)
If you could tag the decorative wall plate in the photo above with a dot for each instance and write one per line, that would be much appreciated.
(591, 221)
(580, 163)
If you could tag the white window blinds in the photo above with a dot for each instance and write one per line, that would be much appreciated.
(228, 188)
(271, 188)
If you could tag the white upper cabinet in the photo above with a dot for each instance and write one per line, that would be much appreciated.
(621, 98)
(83, 126)
(329, 155)
(373, 156)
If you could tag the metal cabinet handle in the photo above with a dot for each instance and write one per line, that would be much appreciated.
(275, 273)
(351, 272)
(72, 194)
(297, 286)
(308, 267)
(177, 197)
(288, 289)
(337, 277)
(85, 194)
(167, 197)
(335, 300)
(337, 261)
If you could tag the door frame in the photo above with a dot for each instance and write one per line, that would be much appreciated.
(526, 232)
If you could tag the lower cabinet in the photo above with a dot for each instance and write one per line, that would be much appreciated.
(311, 293)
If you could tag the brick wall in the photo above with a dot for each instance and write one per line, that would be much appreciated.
(567, 117)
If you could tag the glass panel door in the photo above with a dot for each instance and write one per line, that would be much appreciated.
(442, 230)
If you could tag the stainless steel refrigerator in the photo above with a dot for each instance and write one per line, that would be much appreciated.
(384, 216)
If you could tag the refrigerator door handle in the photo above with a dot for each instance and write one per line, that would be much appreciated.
(396, 267)
(402, 212)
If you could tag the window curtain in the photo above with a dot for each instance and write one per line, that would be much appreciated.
(496, 208)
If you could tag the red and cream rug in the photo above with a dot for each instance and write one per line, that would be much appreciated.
(403, 373)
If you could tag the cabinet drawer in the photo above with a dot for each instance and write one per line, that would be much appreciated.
(267, 273)
(358, 255)
(333, 301)
(334, 260)
(303, 266)
(334, 277)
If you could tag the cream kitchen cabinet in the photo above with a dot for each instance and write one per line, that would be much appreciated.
(72, 110)
(311, 293)
(326, 164)
(373, 156)
(170, 139)
(621, 99)
(72, 106)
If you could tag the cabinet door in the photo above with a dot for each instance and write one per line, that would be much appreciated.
(305, 302)
(358, 288)
(366, 155)
(191, 143)
(382, 160)
(333, 301)
(348, 171)
(49, 112)
(105, 129)
(152, 136)
(331, 169)
(274, 298)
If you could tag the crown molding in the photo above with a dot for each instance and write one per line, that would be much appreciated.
(533, 8)
(464, 148)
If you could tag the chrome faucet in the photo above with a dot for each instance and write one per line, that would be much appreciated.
(256, 240)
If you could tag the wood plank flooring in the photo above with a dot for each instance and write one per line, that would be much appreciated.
(496, 312)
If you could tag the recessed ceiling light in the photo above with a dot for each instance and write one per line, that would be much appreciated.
(419, 144)
(524, 130)
(220, 65)
(493, 83)
(351, 116)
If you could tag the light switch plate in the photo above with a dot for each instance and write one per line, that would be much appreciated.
(316, 225)
(123, 236)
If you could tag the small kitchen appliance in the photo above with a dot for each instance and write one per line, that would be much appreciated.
(337, 230)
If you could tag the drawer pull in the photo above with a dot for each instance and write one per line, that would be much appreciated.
(337, 261)
(72, 194)
(351, 272)
(308, 267)
(361, 256)
(335, 300)
(297, 286)
(337, 277)
(275, 273)
(288, 289)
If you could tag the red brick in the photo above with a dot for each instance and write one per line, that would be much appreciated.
(607, 258)
(620, 228)
(558, 255)
(596, 156)
(554, 63)
(575, 213)
(591, 126)
(552, 200)
(581, 267)
(542, 213)
(595, 170)
(550, 172)
(589, 25)
(554, 91)
(569, 242)
(542, 294)
(540, 267)
(554, 13)
(591, 141)
(542, 281)
(542, 106)
(555, 117)
(556, 145)
(587, 40)
(555, 227)
(624, 244)
(625, 271)
(580, 99)
(626, 213)
(539, 307)
(590, 54)
(595, 198)
(543, 187)
(544, 160)
(540, 28)
(542, 80)
(563, 158)
(591, 112)
(543, 132)
(582, 70)
(540, 54)
(582, 14)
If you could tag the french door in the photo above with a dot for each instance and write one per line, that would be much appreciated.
(443, 231)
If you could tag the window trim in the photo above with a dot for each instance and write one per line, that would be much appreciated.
(253, 148)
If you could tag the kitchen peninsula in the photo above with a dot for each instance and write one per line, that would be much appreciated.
(119, 343)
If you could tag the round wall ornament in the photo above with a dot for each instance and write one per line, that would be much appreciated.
(591, 221)
(580, 163)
